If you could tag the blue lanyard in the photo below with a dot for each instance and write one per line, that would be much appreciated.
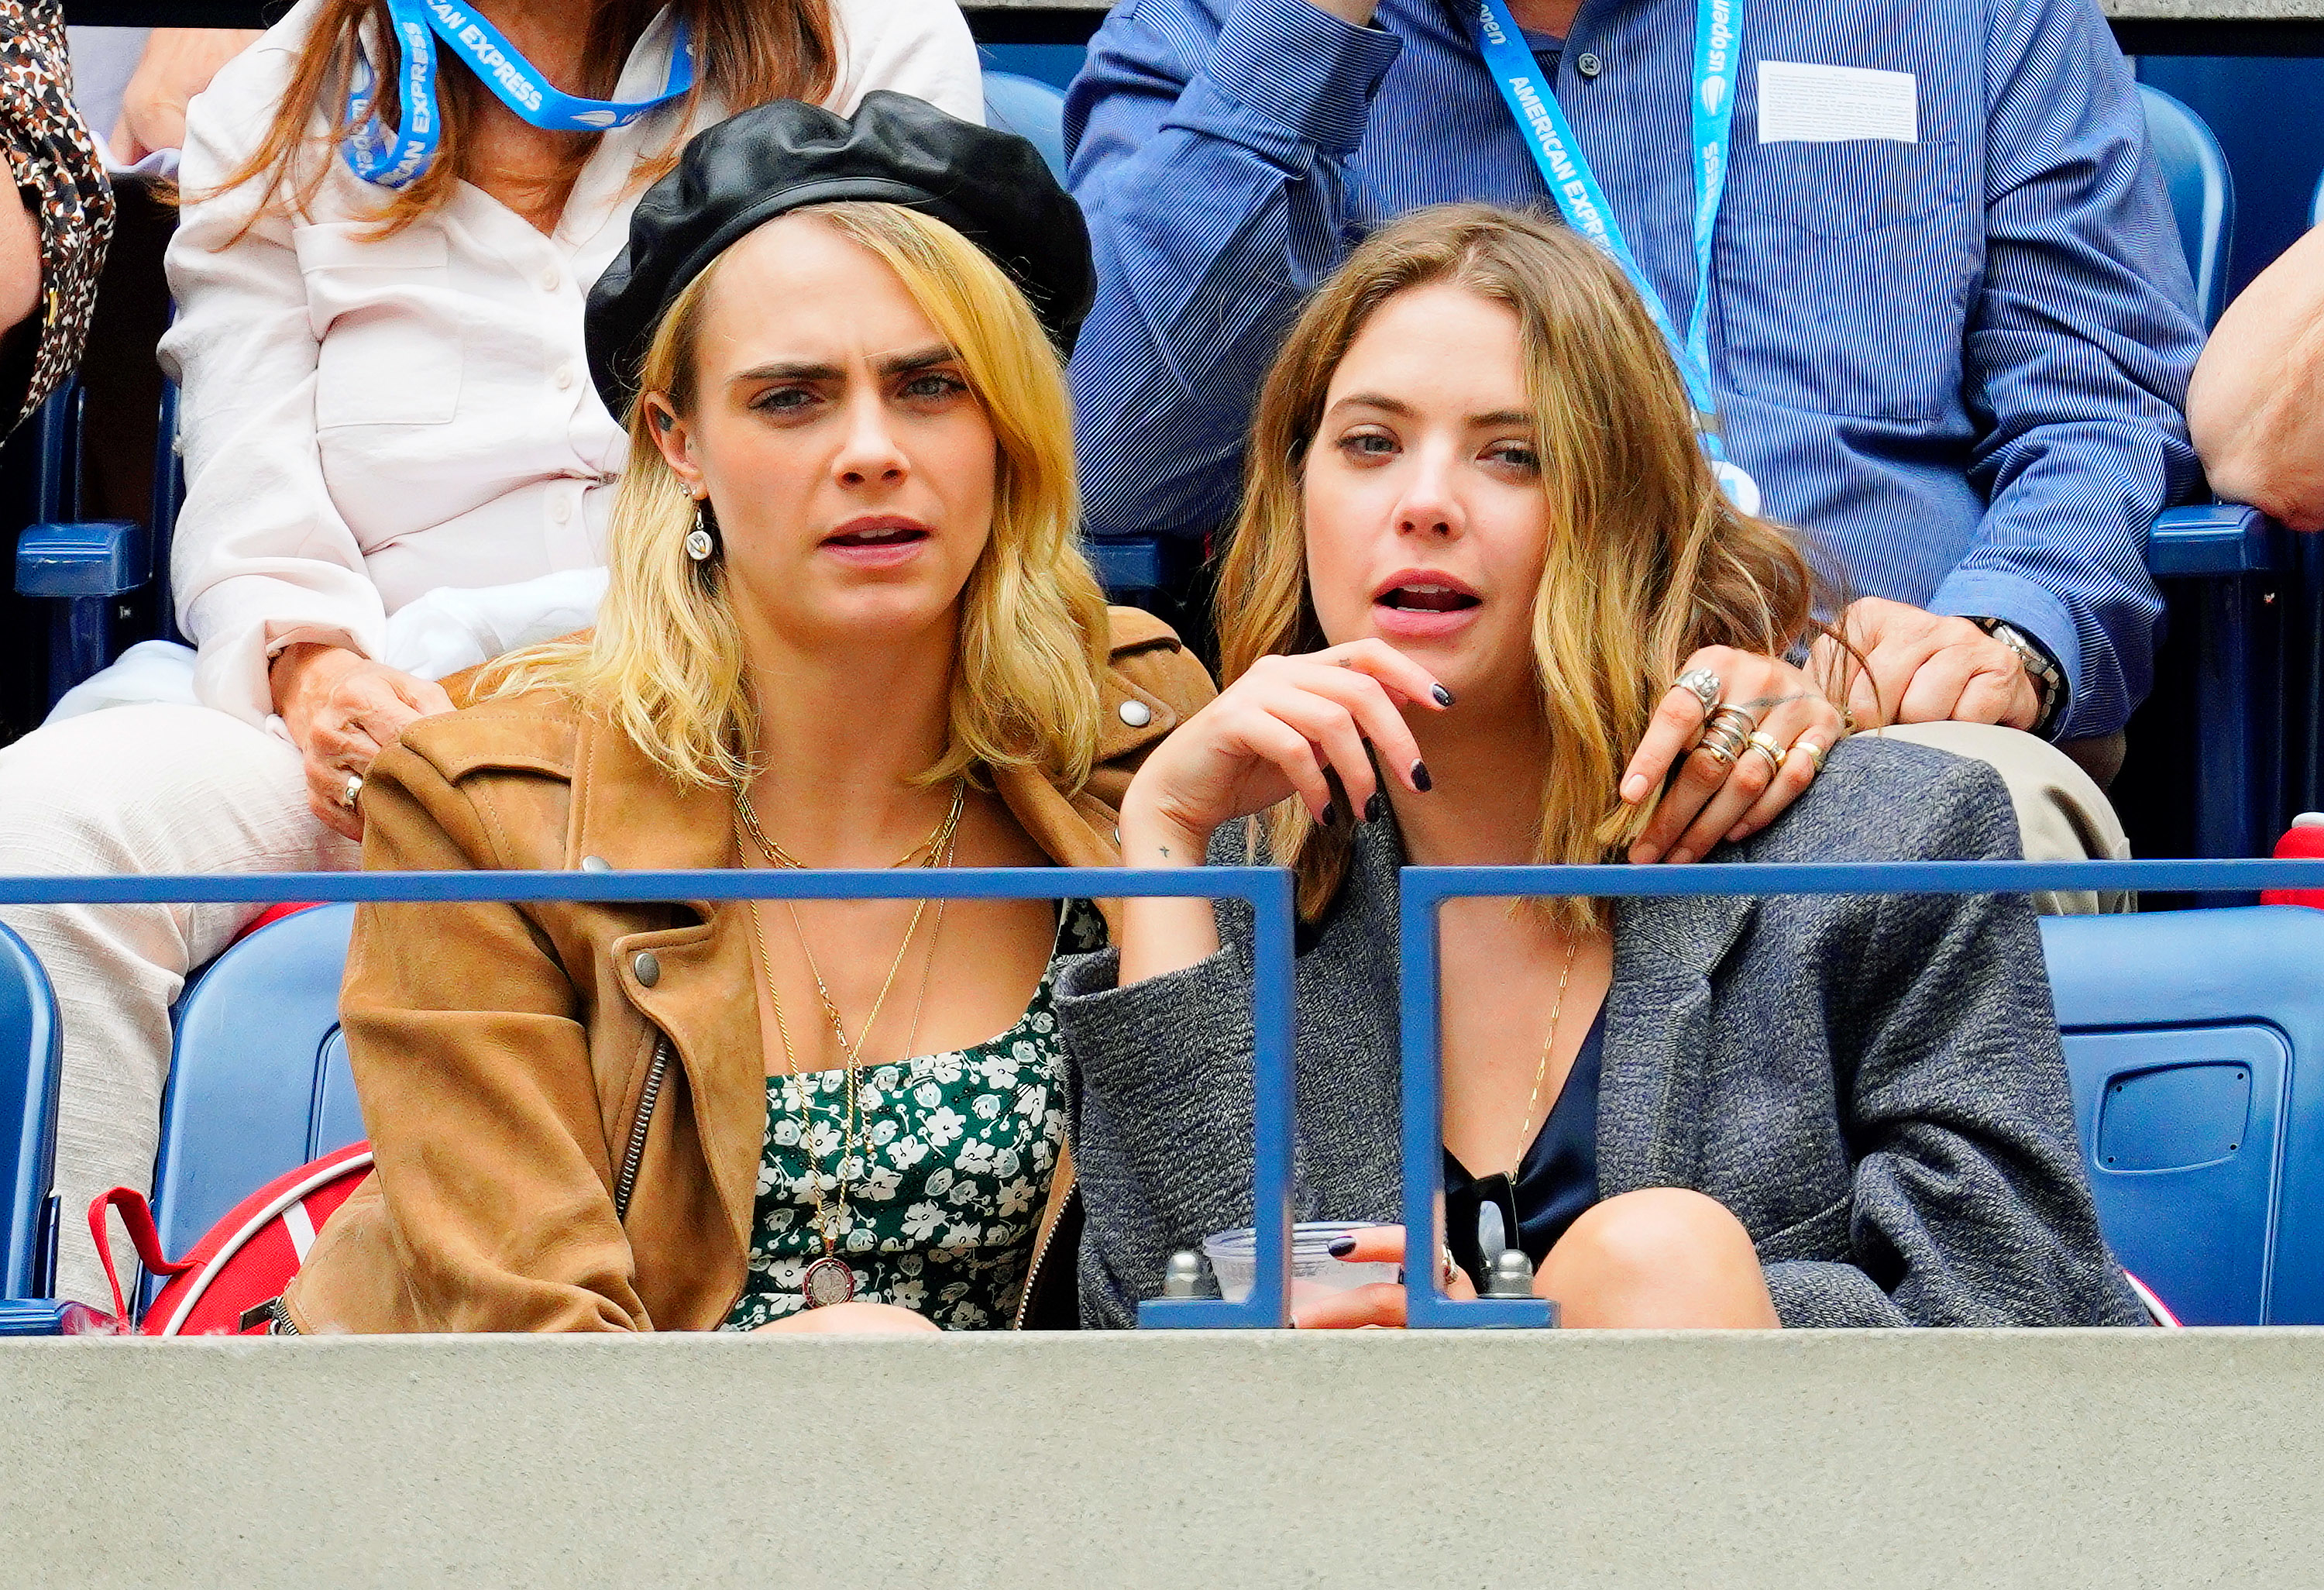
(395, 156)
(1582, 202)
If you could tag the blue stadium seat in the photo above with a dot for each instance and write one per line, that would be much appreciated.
(1054, 64)
(2202, 195)
(2223, 564)
(259, 1083)
(87, 566)
(30, 1062)
(1032, 109)
(2196, 1043)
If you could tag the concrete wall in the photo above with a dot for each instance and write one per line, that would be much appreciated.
(1467, 1459)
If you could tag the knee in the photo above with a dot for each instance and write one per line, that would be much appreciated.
(1660, 1258)
(1645, 1236)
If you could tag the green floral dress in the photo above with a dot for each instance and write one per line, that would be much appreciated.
(943, 1198)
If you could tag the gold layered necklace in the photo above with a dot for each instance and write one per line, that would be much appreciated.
(829, 1280)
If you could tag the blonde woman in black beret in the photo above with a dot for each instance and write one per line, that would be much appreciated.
(848, 626)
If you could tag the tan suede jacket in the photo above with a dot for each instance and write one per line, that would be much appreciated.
(567, 1100)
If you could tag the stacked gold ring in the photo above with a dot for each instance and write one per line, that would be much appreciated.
(1766, 745)
(1727, 734)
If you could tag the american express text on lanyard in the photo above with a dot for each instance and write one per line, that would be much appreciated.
(393, 157)
(1574, 186)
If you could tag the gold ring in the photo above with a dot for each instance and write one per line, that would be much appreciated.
(352, 792)
(1766, 744)
(1807, 748)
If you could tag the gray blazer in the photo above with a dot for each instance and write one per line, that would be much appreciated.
(1872, 1084)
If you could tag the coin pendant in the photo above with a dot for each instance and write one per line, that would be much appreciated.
(828, 1280)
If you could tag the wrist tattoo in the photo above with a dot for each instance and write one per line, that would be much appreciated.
(1765, 703)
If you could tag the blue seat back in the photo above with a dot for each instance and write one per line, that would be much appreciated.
(1054, 64)
(2202, 195)
(31, 1063)
(1032, 109)
(2196, 1044)
(258, 1082)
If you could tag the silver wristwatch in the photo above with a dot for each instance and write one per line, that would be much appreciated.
(2049, 679)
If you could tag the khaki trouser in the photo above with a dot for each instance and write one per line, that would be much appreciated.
(2061, 814)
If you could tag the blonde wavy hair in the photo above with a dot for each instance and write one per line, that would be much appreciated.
(664, 662)
(1647, 560)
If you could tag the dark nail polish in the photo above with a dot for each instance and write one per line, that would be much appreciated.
(1341, 1247)
(1443, 697)
(1420, 779)
(1376, 808)
(1331, 815)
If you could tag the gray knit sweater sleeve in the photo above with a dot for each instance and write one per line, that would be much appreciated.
(1161, 1116)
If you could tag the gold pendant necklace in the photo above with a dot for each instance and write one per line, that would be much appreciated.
(831, 1279)
(1532, 1099)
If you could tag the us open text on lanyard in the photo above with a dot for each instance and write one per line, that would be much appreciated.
(1718, 55)
(394, 157)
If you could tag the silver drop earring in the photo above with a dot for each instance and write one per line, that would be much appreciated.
(700, 544)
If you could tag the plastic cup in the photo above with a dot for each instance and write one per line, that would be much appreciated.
(1234, 1259)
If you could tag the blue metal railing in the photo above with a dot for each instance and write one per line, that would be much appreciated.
(1268, 892)
(1424, 891)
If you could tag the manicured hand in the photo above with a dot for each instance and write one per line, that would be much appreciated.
(1923, 668)
(852, 1319)
(1269, 736)
(1709, 801)
(342, 710)
(1382, 1303)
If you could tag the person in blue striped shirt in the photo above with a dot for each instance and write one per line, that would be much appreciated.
(1946, 320)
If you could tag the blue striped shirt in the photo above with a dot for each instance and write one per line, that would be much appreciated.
(1957, 365)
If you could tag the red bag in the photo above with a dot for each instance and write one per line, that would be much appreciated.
(245, 1261)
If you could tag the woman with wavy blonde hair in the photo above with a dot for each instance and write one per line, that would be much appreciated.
(849, 624)
(1479, 539)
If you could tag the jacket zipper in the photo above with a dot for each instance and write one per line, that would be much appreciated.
(626, 1182)
(1033, 1271)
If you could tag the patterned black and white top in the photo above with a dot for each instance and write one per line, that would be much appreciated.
(64, 183)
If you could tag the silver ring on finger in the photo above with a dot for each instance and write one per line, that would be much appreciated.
(1726, 735)
(1766, 745)
(352, 791)
(1810, 749)
(1703, 685)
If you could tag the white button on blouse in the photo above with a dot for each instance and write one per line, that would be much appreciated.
(1136, 713)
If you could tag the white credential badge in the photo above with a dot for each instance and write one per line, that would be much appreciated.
(1801, 103)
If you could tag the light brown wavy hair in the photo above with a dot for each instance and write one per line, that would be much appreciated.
(1647, 560)
(664, 662)
(746, 52)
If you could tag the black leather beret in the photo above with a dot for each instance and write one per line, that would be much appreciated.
(734, 177)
